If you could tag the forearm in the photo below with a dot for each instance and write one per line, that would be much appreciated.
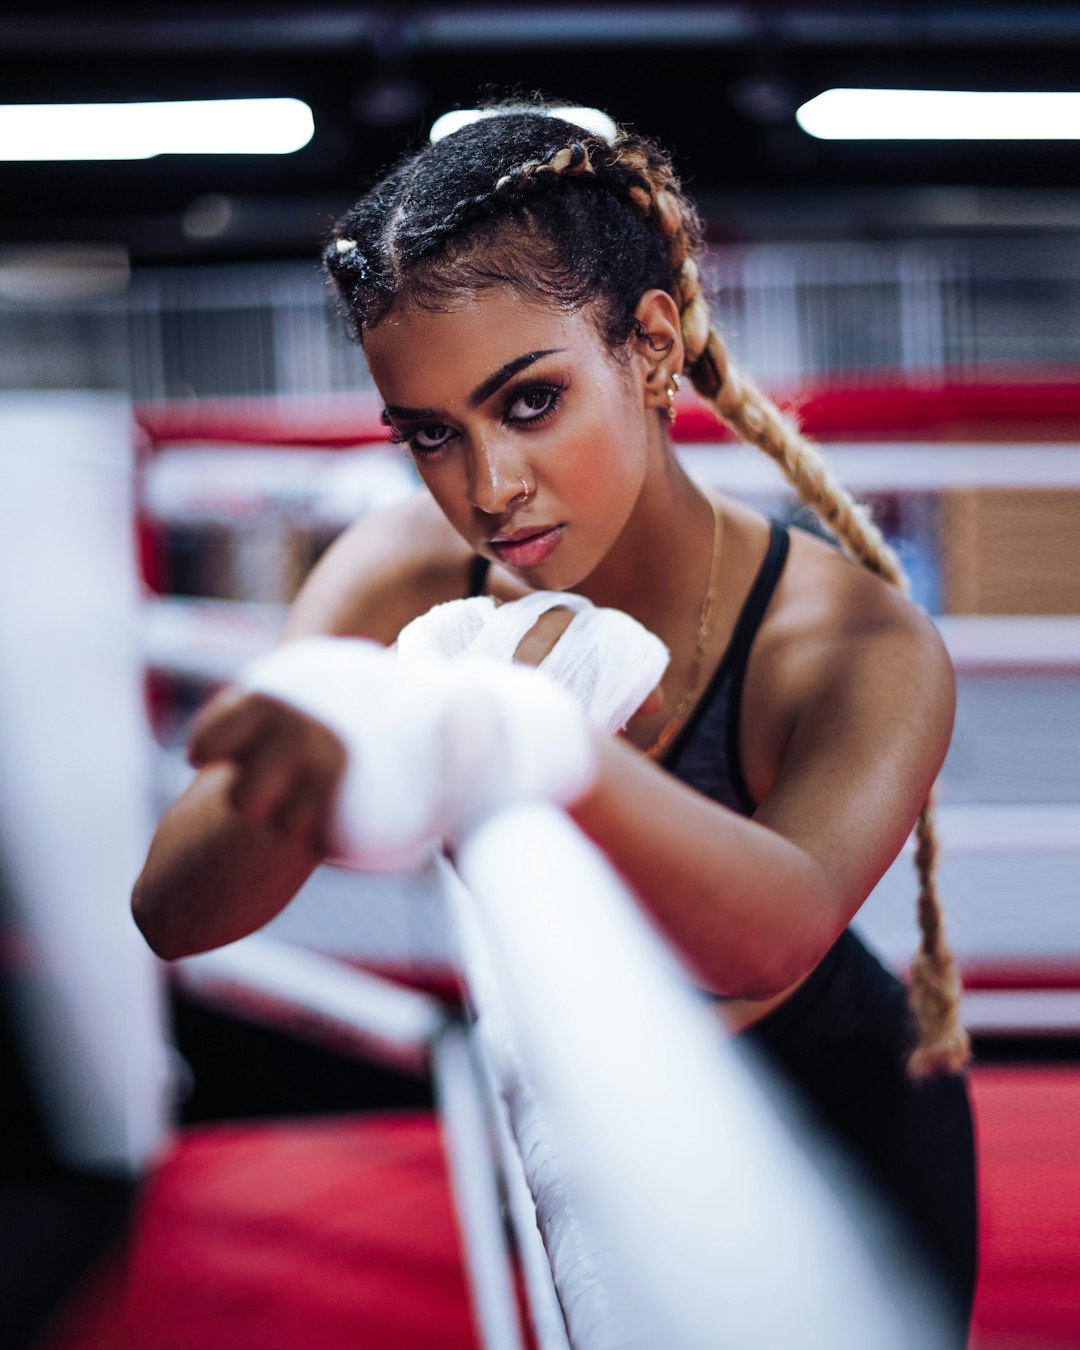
(749, 910)
(210, 876)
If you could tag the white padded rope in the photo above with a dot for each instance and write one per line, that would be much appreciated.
(677, 1210)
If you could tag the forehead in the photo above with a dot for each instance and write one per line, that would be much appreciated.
(414, 350)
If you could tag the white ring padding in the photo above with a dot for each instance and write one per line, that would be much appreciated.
(677, 1209)
(609, 661)
(463, 1112)
(496, 1061)
(431, 746)
(309, 994)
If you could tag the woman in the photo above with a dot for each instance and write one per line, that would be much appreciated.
(528, 298)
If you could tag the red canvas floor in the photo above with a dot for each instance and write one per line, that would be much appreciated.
(1028, 1122)
(340, 1234)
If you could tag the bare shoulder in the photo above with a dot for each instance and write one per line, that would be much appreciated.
(843, 656)
(849, 667)
(838, 615)
(381, 573)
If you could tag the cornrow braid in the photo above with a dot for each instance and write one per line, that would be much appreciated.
(528, 200)
(547, 221)
(572, 160)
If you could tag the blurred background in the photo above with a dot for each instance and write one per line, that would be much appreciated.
(184, 429)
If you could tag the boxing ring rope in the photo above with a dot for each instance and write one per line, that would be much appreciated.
(675, 1206)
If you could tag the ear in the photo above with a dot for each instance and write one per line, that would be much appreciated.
(658, 345)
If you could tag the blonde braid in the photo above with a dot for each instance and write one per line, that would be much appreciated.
(935, 986)
(572, 160)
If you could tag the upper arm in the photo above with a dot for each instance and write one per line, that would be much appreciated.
(866, 743)
(379, 574)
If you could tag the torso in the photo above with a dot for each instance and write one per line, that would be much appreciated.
(814, 599)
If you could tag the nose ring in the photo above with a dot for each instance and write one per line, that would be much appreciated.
(525, 494)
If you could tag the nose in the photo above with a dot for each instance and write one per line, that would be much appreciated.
(496, 477)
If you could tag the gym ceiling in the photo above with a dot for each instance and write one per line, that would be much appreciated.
(718, 83)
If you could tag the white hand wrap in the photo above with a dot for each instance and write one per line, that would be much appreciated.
(432, 745)
(606, 659)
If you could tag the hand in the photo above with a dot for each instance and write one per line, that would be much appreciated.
(541, 638)
(287, 766)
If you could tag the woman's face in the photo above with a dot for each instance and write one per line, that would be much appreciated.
(498, 395)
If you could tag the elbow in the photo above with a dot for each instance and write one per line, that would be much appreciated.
(784, 976)
(151, 919)
(787, 957)
(825, 920)
(765, 980)
(761, 974)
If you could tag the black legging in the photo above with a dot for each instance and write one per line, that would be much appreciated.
(842, 1039)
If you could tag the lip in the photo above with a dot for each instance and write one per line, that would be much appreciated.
(527, 547)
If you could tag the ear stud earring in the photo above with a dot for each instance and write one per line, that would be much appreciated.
(670, 391)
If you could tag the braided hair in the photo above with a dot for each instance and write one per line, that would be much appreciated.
(526, 199)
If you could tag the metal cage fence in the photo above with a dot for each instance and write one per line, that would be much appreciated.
(795, 314)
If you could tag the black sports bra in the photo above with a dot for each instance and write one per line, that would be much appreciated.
(705, 753)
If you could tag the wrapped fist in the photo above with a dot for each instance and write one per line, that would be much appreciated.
(428, 747)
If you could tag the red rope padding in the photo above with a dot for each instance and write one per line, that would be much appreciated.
(1019, 975)
(1004, 409)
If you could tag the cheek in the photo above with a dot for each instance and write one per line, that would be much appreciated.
(447, 484)
(606, 460)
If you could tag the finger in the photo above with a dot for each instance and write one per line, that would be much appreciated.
(653, 704)
(225, 726)
(303, 813)
(543, 635)
(307, 812)
(264, 777)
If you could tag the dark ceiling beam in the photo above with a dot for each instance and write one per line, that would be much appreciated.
(446, 28)
(744, 25)
(184, 35)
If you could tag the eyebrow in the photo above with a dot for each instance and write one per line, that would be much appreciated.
(483, 390)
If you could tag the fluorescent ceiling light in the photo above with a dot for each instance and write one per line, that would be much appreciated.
(592, 119)
(234, 126)
(940, 115)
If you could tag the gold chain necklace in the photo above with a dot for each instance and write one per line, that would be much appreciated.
(708, 605)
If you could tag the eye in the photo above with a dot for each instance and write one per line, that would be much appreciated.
(423, 441)
(534, 404)
(427, 439)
